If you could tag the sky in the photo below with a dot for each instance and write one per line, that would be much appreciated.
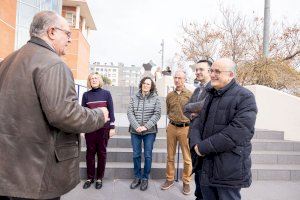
(131, 31)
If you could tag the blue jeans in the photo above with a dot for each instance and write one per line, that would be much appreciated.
(220, 193)
(136, 141)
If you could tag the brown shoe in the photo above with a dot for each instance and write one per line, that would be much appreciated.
(186, 189)
(167, 185)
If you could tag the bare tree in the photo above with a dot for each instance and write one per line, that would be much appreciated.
(199, 41)
(241, 39)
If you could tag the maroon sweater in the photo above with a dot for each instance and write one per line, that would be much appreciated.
(99, 97)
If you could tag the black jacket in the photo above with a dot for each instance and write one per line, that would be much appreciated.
(223, 131)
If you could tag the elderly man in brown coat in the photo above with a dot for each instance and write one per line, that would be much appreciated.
(40, 118)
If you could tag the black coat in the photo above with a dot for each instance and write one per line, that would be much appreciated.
(223, 131)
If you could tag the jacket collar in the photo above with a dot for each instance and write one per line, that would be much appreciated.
(96, 89)
(183, 91)
(40, 42)
(209, 88)
(140, 95)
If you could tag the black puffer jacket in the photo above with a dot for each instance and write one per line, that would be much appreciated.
(223, 131)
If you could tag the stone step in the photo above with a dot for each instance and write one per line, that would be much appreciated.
(276, 172)
(275, 145)
(160, 156)
(276, 157)
(124, 170)
(259, 134)
(124, 141)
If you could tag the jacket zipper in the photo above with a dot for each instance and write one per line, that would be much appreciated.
(143, 113)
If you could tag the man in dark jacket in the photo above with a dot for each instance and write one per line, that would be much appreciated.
(40, 118)
(192, 110)
(221, 134)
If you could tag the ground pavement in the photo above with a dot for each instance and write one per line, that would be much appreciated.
(119, 190)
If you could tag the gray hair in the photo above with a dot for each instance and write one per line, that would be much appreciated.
(42, 21)
(180, 71)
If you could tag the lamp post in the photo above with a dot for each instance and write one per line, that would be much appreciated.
(266, 38)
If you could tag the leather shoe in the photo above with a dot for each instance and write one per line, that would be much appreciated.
(135, 183)
(144, 185)
(88, 183)
(98, 184)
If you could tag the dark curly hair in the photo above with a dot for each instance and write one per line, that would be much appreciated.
(153, 87)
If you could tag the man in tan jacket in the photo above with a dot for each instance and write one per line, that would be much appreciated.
(177, 131)
(40, 118)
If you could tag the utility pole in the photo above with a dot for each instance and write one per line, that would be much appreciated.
(162, 53)
(266, 38)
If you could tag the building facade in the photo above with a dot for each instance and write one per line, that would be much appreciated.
(81, 22)
(16, 16)
(120, 75)
(130, 75)
(109, 71)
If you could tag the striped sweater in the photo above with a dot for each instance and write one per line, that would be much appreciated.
(144, 111)
(99, 97)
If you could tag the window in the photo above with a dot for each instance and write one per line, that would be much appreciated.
(71, 18)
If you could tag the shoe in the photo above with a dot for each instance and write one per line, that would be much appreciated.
(186, 189)
(135, 183)
(144, 185)
(98, 184)
(167, 185)
(88, 183)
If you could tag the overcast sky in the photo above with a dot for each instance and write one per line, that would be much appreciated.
(131, 31)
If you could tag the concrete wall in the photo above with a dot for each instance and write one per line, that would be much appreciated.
(277, 111)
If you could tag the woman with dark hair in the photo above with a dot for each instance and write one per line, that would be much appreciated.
(96, 142)
(143, 113)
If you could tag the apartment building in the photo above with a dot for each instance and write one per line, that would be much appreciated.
(16, 16)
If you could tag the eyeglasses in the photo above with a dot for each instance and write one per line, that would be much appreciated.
(216, 71)
(68, 33)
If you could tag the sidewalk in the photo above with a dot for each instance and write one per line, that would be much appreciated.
(119, 190)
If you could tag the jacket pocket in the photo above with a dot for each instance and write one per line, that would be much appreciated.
(67, 151)
(229, 165)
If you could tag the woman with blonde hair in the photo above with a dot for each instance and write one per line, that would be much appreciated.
(96, 142)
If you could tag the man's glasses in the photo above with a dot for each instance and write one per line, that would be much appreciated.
(68, 33)
(216, 71)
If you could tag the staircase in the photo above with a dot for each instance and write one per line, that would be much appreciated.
(273, 158)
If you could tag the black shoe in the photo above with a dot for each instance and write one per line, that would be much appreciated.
(88, 183)
(98, 184)
(144, 185)
(135, 183)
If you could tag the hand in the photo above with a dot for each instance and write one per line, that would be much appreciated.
(105, 114)
(112, 132)
(143, 128)
(193, 115)
(197, 150)
(138, 129)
